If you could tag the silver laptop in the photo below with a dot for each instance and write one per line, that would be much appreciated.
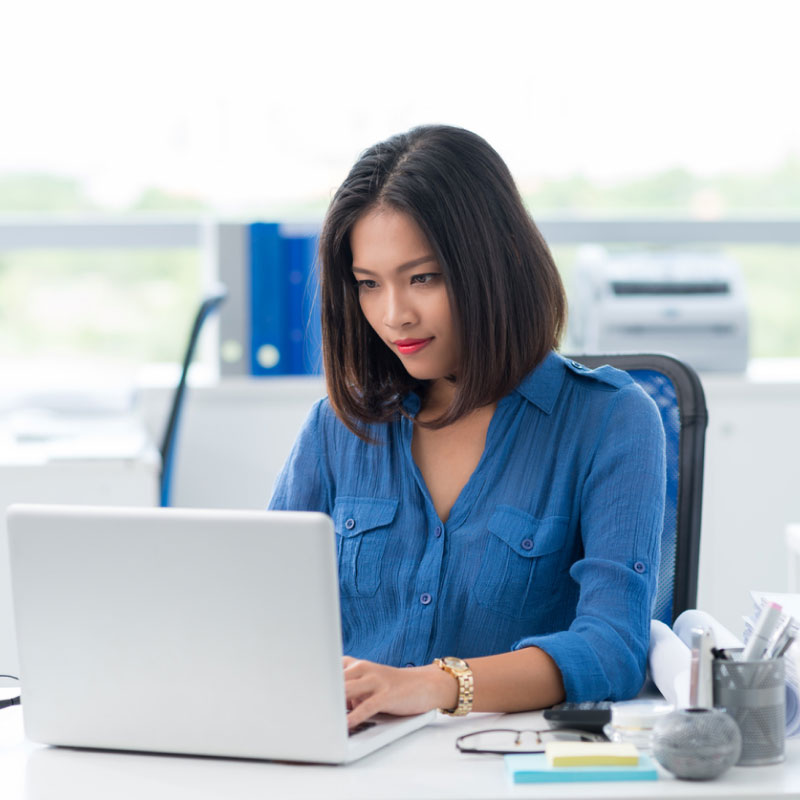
(184, 631)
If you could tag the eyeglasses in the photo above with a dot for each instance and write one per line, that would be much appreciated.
(503, 741)
(13, 701)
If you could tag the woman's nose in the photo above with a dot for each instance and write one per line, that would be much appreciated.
(398, 311)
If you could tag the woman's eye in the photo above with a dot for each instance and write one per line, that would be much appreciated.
(427, 277)
(367, 283)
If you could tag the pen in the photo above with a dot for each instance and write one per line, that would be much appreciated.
(784, 647)
(758, 642)
(782, 633)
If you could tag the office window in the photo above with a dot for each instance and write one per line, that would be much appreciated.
(248, 111)
(93, 317)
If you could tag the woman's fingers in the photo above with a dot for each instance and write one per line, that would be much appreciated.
(364, 690)
(373, 688)
(361, 687)
(365, 709)
(355, 667)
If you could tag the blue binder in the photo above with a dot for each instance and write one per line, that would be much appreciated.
(268, 302)
(303, 323)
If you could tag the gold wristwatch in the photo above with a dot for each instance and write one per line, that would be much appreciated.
(463, 674)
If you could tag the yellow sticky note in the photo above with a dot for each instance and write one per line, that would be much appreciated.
(591, 754)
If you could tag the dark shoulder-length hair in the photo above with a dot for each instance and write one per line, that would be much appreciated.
(506, 295)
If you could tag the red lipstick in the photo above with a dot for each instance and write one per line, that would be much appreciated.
(409, 346)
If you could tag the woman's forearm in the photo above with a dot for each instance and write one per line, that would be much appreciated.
(517, 681)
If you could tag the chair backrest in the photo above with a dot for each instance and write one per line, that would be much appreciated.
(679, 396)
(211, 302)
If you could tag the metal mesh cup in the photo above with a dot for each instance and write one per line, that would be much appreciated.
(754, 694)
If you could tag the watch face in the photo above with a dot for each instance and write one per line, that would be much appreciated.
(455, 663)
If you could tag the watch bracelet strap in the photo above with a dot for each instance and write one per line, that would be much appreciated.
(466, 691)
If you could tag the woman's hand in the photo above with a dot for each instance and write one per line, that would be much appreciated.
(375, 688)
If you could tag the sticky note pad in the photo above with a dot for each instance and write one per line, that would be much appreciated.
(591, 754)
(534, 768)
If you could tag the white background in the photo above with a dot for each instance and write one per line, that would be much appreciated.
(246, 102)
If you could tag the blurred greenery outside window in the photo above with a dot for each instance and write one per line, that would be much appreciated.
(102, 311)
(115, 311)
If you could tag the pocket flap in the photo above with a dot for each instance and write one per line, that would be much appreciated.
(526, 535)
(353, 516)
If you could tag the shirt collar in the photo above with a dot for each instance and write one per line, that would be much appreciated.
(542, 386)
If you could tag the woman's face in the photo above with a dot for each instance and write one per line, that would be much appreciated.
(402, 292)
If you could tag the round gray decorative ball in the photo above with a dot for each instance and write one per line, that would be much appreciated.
(697, 743)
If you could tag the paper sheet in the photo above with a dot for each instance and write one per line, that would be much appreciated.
(791, 605)
(700, 619)
(669, 659)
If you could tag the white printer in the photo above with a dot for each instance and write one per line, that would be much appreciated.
(691, 305)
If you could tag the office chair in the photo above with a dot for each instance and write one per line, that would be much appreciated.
(679, 396)
(209, 304)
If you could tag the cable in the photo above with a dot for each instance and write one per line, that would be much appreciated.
(13, 677)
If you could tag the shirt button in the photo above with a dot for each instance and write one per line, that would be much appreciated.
(437, 531)
(527, 544)
(639, 567)
(350, 524)
(410, 664)
(425, 598)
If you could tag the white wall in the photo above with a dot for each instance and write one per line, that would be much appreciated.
(235, 437)
(752, 490)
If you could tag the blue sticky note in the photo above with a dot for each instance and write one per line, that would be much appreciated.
(534, 768)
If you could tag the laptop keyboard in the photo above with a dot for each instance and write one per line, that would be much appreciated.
(364, 726)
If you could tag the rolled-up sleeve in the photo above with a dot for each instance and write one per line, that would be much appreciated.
(603, 654)
(303, 484)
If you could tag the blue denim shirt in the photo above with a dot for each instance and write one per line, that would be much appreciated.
(553, 542)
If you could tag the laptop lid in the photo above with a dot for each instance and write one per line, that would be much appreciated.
(179, 630)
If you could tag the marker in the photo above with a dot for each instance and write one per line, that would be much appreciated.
(757, 644)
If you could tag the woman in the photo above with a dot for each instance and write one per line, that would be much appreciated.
(494, 503)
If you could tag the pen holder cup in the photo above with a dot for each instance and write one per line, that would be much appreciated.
(754, 694)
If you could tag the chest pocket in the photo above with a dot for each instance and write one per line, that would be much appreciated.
(521, 561)
(361, 525)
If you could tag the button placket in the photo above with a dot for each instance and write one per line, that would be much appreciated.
(423, 602)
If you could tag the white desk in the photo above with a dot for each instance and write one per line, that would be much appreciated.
(423, 766)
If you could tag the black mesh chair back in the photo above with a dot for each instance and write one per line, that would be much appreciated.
(678, 393)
